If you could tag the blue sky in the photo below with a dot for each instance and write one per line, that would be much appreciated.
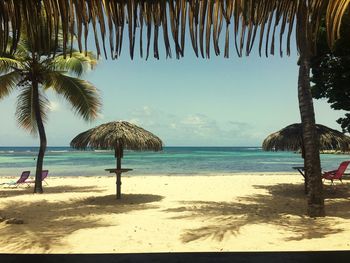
(186, 102)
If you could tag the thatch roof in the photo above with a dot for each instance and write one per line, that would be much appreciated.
(108, 135)
(246, 21)
(290, 139)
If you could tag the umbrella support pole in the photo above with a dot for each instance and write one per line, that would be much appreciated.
(118, 184)
(118, 153)
(118, 175)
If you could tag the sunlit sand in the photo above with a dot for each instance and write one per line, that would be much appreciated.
(172, 214)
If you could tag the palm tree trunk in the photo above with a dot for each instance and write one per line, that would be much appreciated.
(311, 143)
(38, 188)
(307, 113)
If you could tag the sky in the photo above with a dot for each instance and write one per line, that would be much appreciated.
(186, 102)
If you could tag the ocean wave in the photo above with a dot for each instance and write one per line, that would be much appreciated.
(280, 162)
(58, 151)
(253, 148)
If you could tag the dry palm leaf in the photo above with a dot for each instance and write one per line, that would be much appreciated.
(248, 21)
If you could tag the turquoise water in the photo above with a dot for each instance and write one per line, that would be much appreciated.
(172, 160)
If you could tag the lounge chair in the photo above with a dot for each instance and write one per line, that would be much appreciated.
(336, 174)
(44, 174)
(21, 180)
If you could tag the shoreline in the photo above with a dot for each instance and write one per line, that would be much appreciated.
(127, 175)
(79, 214)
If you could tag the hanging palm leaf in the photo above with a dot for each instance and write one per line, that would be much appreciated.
(246, 21)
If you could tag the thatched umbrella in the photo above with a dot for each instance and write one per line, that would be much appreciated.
(118, 135)
(290, 139)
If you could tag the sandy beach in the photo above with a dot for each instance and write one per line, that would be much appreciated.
(162, 213)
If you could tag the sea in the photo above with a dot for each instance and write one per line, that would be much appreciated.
(186, 161)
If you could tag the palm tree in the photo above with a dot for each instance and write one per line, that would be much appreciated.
(32, 73)
(311, 146)
(206, 19)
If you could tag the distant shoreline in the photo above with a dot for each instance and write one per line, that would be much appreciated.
(167, 146)
(180, 175)
(329, 152)
(333, 152)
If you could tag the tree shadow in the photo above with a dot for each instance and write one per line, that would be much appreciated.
(284, 206)
(8, 192)
(63, 218)
(127, 199)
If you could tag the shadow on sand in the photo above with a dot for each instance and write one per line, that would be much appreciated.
(64, 217)
(8, 192)
(284, 206)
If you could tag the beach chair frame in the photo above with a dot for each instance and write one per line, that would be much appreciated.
(44, 174)
(22, 180)
(336, 174)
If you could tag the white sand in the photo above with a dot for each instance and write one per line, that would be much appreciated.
(172, 214)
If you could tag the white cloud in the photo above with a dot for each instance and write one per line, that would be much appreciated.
(194, 128)
(149, 117)
(195, 120)
(147, 110)
(239, 124)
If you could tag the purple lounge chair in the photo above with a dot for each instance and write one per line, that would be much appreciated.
(21, 180)
(44, 174)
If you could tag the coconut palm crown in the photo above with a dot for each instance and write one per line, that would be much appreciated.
(32, 73)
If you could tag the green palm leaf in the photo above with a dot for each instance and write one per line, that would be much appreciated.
(8, 83)
(82, 95)
(76, 64)
(25, 109)
(7, 64)
(34, 66)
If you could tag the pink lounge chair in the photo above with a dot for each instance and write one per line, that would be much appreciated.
(336, 174)
(21, 180)
(44, 174)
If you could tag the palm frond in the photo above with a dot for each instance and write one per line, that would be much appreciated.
(23, 49)
(335, 13)
(76, 64)
(25, 113)
(8, 64)
(206, 19)
(8, 83)
(82, 95)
